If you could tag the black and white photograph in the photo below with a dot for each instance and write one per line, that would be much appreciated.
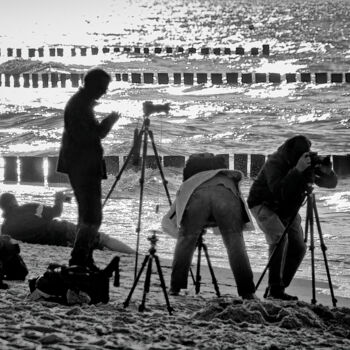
(174, 174)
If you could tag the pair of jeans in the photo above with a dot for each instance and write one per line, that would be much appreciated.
(87, 191)
(220, 204)
(290, 253)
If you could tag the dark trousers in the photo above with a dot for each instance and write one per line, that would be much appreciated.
(87, 191)
(219, 203)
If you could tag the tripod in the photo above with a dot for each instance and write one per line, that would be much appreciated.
(145, 132)
(197, 281)
(311, 213)
(139, 137)
(149, 259)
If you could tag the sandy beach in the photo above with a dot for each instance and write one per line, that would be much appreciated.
(201, 321)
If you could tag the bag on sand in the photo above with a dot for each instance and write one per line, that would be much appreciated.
(12, 266)
(74, 284)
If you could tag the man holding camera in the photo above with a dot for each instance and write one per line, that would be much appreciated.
(81, 157)
(275, 199)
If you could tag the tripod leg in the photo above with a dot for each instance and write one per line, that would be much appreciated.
(312, 245)
(213, 278)
(198, 274)
(126, 302)
(192, 276)
(307, 220)
(165, 182)
(162, 283)
(278, 245)
(324, 248)
(139, 136)
(147, 284)
(142, 181)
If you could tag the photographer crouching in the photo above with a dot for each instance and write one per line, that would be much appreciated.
(209, 197)
(275, 199)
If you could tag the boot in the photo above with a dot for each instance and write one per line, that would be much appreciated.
(279, 293)
(83, 246)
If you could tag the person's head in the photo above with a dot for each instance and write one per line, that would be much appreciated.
(96, 82)
(295, 147)
(8, 201)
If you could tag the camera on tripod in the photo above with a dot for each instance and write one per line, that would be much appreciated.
(319, 160)
(150, 108)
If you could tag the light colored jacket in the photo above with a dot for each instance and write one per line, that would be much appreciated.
(172, 219)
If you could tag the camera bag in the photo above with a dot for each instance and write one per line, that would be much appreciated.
(75, 284)
(12, 265)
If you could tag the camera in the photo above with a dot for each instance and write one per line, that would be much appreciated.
(319, 160)
(149, 108)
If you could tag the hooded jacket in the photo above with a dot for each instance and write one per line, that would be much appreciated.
(280, 186)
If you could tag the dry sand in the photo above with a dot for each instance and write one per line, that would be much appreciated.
(200, 321)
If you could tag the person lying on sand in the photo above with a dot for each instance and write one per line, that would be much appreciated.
(36, 223)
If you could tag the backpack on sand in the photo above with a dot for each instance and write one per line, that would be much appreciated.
(12, 266)
(74, 284)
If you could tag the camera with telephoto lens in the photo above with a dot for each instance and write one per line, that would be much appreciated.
(149, 108)
(319, 160)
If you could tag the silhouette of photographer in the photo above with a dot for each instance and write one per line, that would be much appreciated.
(275, 198)
(37, 224)
(81, 157)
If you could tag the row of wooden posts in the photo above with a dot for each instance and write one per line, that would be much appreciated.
(54, 79)
(28, 169)
(94, 50)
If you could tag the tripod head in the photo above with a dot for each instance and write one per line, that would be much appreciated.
(153, 238)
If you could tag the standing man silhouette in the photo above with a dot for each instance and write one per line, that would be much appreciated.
(81, 157)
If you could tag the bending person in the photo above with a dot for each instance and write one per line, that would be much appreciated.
(36, 223)
(209, 198)
(274, 200)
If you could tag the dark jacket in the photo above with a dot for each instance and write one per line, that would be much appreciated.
(280, 186)
(81, 141)
(29, 222)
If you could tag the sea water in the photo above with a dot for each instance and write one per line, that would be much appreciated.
(303, 35)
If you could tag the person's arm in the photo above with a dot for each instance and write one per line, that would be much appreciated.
(282, 184)
(83, 126)
(80, 123)
(56, 210)
(107, 123)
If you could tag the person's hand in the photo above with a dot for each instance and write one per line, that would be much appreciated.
(60, 196)
(113, 117)
(304, 162)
